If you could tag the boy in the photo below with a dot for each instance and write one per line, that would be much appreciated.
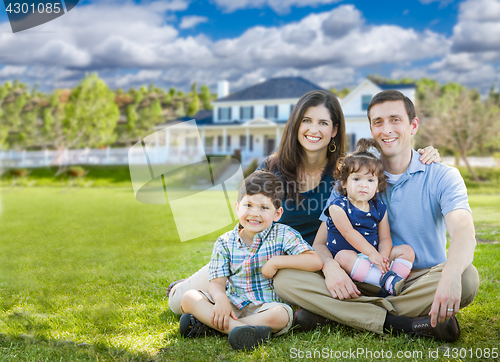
(249, 256)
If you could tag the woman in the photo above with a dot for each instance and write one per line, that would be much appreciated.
(312, 142)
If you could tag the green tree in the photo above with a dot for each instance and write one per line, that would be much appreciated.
(340, 93)
(90, 115)
(206, 97)
(194, 103)
(454, 118)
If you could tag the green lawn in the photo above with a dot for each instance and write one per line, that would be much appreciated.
(83, 274)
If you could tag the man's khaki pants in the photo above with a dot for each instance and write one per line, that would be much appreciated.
(368, 312)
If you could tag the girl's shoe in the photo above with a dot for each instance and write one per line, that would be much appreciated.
(394, 288)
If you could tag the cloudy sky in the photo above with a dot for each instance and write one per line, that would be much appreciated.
(334, 43)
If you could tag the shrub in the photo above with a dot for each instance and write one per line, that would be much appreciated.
(75, 172)
(17, 172)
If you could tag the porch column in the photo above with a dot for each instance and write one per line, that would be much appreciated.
(203, 137)
(247, 145)
(157, 147)
(224, 139)
(278, 136)
(167, 143)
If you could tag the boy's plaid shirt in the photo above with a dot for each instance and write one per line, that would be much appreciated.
(242, 264)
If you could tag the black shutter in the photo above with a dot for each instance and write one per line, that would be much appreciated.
(241, 112)
(229, 113)
(219, 113)
(251, 112)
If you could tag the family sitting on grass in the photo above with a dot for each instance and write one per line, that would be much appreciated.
(377, 226)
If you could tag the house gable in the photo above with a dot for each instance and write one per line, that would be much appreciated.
(353, 104)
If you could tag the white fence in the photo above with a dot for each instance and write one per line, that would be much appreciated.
(106, 156)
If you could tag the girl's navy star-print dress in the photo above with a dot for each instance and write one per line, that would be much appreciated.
(364, 222)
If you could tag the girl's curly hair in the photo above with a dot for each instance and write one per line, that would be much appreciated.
(362, 158)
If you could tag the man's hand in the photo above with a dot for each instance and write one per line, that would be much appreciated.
(447, 298)
(379, 260)
(221, 313)
(269, 269)
(338, 283)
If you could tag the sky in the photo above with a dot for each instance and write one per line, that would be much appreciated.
(332, 43)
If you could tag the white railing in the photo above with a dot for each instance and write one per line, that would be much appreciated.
(108, 156)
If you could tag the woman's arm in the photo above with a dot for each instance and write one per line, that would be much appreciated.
(338, 283)
(429, 155)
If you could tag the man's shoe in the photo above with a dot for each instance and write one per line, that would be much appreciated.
(448, 331)
(249, 337)
(307, 321)
(190, 327)
(173, 284)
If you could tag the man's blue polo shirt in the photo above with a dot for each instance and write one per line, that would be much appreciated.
(417, 204)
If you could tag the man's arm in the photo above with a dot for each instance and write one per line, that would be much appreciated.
(339, 284)
(460, 255)
(308, 261)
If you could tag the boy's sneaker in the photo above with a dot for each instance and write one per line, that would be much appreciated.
(394, 288)
(190, 327)
(249, 337)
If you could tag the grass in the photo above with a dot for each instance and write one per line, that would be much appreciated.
(83, 274)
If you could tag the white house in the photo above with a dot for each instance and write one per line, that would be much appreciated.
(252, 120)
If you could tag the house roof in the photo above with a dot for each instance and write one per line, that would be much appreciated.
(274, 88)
(204, 116)
(386, 86)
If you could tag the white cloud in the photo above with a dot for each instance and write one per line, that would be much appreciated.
(191, 21)
(279, 6)
(342, 20)
(442, 3)
(10, 71)
(478, 27)
(131, 45)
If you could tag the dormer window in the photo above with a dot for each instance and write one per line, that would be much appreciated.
(246, 112)
(365, 101)
(271, 112)
(224, 113)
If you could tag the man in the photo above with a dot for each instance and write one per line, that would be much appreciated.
(423, 202)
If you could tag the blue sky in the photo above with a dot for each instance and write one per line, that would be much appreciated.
(334, 43)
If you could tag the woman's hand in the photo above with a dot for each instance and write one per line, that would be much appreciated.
(429, 155)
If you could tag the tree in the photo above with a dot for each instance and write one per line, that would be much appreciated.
(342, 93)
(91, 114)
(456, 119)
(206, 97)
(194, 103)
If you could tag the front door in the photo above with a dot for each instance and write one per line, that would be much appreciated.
(269, 146)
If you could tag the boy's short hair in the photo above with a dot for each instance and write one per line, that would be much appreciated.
(392, 95)
(265, 183)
